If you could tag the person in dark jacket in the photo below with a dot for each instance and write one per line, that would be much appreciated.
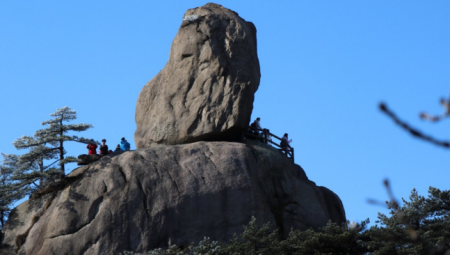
(285, 143)
(255, 127)
(104, 148)
(92, 148)
(124, 145)
(117, 148)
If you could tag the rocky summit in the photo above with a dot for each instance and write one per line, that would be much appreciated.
(167, 195)
(187, 180)
(206, 90)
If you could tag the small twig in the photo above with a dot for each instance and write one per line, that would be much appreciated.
(393, 202)
(412, 130)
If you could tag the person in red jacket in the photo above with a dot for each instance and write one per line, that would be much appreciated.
(92, 148)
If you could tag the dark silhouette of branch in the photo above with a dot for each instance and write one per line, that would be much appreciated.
(411, 130)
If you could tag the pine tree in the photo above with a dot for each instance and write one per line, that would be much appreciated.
(45, 159)
(31, 172)
(420, 226)
(8, 190)
(48, 143)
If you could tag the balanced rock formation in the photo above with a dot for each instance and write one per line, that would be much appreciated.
(206, 90)
(167, 195)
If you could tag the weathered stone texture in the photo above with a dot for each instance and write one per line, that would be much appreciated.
(167, 195)
(206, 90)
(85, 159)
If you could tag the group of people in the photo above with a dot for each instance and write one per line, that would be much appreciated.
(124, 145)
(263, 135)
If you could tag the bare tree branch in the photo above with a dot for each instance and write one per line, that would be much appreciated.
(411, 130)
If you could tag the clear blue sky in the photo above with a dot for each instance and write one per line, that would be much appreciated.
(325, 66)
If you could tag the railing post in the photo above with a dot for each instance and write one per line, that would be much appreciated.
(292, 155)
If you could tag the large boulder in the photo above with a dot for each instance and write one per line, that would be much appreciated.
(206, 90)
(166, 195)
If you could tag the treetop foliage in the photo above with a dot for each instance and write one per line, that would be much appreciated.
(54, 133)
(48, 143)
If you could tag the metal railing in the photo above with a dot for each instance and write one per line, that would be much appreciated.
(264, 136)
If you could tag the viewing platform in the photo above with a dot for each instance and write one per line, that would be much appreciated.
(264, 136)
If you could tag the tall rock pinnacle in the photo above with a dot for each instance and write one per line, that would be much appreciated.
(206, 90)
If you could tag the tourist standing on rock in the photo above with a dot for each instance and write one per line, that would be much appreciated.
(104, 148)
(124, 145)
(117, 148)
(257, 123)
(255, 126)
(285, 143)
(92, 148)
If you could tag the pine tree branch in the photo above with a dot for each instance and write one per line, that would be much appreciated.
(47, 167)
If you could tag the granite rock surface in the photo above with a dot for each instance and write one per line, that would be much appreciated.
(178, 194)
(206, 90)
